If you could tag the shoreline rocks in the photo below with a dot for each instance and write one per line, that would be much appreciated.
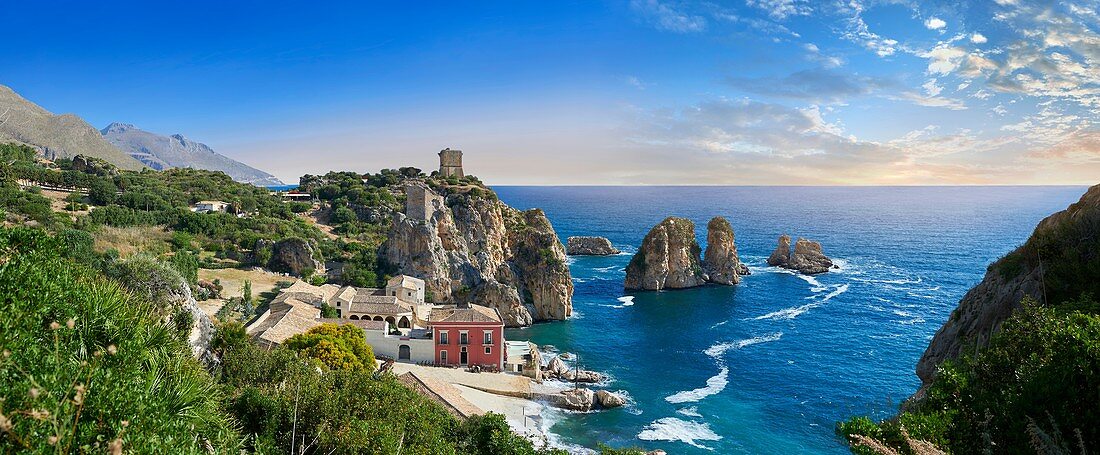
(806, 258)
(589, 246)
(669, 257)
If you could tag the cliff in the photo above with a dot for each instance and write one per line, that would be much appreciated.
(720, 261)
(1058, 263)
(469, 246)
(163, 152)
(55, 136)
(667, 259)
(590, 246)
(807, 257)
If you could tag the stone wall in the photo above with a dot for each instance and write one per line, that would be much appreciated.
(450, 163)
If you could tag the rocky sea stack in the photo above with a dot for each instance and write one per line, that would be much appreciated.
(589, 246)
(806, 258)
(467, 246)
(669, 257)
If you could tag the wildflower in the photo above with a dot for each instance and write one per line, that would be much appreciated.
(78, 398)
(54, 325)
(125, 423)
(7, 353)
(5, 423)
(52, 440)
(39, 414)
(33, 392)
(112, 350)
(115, 447)
(70, 323)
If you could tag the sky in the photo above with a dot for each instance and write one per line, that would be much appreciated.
(629, 92)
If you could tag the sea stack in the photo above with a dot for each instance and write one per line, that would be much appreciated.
(720, 262)
(667, 259)
(806, 258)
(589, 246)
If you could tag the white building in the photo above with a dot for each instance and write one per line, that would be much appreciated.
(209, 206)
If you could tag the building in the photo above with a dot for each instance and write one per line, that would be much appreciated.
(209, 206)
(421, 202)
(283, 319)
(414, 346)
(450, 163)
(468, 335)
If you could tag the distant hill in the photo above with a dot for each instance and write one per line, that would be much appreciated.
(163, 152)
(55, 136)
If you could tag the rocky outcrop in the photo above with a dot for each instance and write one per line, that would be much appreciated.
(469, 245)
(720, 261)
(1068, 242)
(609, 400)
(556, 368)
(806, 258)
(589, 246)
(294, 256)
(576, 399)
(667, 259)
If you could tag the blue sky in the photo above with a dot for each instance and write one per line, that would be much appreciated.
(626, 92)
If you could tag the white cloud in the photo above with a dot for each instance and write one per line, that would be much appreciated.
(665, 17)
(633, 81)
(931, 88)
(934, 23)
(944, 58)
(978, 38)
(782, 9)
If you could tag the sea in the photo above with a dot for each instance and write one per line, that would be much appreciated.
(770, 365)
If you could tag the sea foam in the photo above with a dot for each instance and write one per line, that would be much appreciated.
(674, 429)
(718, 382)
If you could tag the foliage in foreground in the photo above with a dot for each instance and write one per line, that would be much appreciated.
(1036, 384)
(86, 368)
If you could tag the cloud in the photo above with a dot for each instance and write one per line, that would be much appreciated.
(633, 81)
(978, 38)
(782, 9)
(929, 100)
(934, 23)
(668, 18)
(859, 32)
(815, 85)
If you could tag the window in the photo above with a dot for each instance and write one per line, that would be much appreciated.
(442, 356)
(443, 338)
(463, 337)
(488, 337)
(488, 350)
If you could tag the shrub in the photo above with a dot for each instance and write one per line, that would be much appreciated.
(338, 347)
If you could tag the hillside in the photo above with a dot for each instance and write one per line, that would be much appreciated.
(163, 152)
(55, 136)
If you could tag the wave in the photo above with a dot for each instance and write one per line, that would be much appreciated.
(689, 411)
(718, 382)
(715, 326)
(793, 312)
(673, 429)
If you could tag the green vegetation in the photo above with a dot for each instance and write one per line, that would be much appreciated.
(337, 347)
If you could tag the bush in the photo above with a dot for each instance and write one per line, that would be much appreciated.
(86, 362)
(338, 347)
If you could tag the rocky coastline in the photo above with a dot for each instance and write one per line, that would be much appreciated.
(806, 257)
(669, 257)
(590, 246)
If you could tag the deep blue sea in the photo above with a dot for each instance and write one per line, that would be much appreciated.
(770, 365)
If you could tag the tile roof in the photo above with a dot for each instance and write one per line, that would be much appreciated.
(284, 320)
(474, 313)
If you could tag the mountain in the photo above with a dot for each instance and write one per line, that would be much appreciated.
(163, 152)
(55, 136)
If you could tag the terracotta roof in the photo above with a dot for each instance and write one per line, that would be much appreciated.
(284, 320)
(405, 281)
(445, 394)
(475, 313)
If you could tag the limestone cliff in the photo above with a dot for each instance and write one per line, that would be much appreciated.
(590, 246)
(720, 261)
(667, 259)
(1059, 262)
(469, 246)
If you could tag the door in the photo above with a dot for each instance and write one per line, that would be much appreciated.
(464, 358)
(404, 353)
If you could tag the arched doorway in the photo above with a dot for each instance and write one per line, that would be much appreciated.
(404, 352)
(393, 323)
(403, 323)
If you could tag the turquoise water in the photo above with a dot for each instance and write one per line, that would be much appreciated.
(770, 365)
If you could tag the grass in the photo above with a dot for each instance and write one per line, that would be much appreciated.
(130, 240)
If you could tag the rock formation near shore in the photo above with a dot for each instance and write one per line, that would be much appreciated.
(1069, 242)
(669, 257)
(292, 255)
(720, 261)
(806, 258)
(590, 246)
(468, 245)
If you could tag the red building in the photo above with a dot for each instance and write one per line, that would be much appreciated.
(468, 335)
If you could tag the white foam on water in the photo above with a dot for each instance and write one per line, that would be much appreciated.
(793, 312)
(674, 429)
(837, 291)
(715, 326)
(904, 314)
(691, 411)
(627, 300)
(912, 321)
(717, 383)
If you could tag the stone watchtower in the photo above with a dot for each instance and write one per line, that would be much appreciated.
(421, 202)
(450, 163)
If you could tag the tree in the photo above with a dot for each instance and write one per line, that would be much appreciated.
(338, 347)
(343, 215)
(246, 292)
(102, 192)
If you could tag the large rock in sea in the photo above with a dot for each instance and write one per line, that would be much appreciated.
(667, 259)
(609, 400)
(720, 261)
(806, 258)
(575, 399)
(1069, 241)
(589, 246)
(468, 245)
